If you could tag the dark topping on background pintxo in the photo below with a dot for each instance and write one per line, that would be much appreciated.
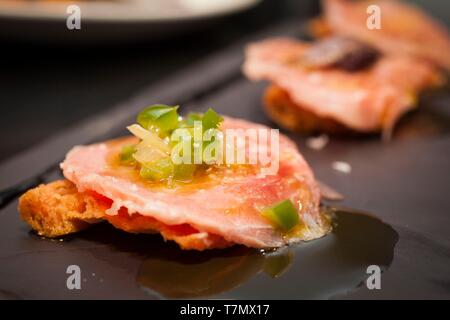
(339, 52)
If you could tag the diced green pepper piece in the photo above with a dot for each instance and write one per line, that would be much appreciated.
(126, 154)
(164, 117)
(193, 116)
(211, 119)
(158, 170)
(282, 215)
(184, 172)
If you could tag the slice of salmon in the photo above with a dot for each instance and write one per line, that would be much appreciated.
(367, 100)
(404, 28)
(222, 207)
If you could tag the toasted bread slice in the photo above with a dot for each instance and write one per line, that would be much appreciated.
(57, 209)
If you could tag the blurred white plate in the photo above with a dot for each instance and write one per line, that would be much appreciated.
(112, 19)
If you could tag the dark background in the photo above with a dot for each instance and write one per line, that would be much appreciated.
(46, 85)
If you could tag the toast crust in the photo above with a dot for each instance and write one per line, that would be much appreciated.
(289, 115)
(57, 209)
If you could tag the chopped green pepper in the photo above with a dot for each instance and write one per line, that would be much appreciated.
(155, 125)
(193, 116)
(283, 215)
(158, 170)
(164, 117)
(211, 119)
(184, 172)
(126, 154)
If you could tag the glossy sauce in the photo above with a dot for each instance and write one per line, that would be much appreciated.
(323, 268)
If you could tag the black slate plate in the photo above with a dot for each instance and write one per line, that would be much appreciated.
(404, 183)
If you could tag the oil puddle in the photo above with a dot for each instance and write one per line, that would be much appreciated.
(319, 269)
